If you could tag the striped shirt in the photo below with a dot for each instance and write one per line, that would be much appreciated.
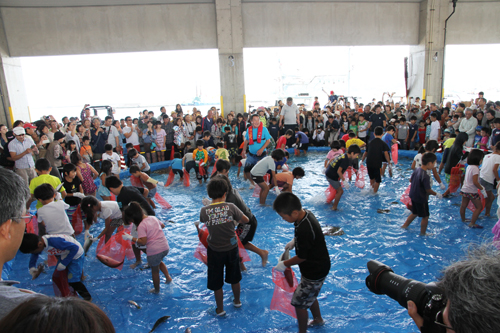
(19, 147)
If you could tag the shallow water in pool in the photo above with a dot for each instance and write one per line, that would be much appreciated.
(346, 304)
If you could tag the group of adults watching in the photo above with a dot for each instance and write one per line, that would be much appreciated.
(471, 286)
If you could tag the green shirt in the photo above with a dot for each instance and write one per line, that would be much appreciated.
(45, 179)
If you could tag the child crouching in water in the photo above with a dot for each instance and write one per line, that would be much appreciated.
(311, 254)
(150, 233)
(222, 250)
(419, 193)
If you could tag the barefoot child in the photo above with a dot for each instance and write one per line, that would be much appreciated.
(419, 193)
(488, 174)
(245, 231)
(376, 153)
(470, 187)
(69, 254)
(200, 156)
(285, 179)
(282, 140)
(311, 254)
(74, 189)
(109, 211)
(150, 233)
(52, 215)
(335, 171)
(260, 169)
(222, 250)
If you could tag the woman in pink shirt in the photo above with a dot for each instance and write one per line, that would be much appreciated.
(149, 233)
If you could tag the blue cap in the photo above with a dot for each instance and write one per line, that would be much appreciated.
(479, 128)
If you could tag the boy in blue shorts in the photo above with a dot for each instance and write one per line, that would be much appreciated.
(311, 254)
(69, 254)
(222, 250)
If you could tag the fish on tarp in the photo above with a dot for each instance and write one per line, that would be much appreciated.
(188, 330)
(383, 211)
(333, 231)
(135, 304)
(288, 271)
(110, 262)
(88, 244)
(394, 203)
(39, 270)
(158, 322)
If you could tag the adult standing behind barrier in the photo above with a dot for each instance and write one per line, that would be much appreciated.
(289, 117)
(257, 139)
(21, 150)
(13, 197)
(468, 125)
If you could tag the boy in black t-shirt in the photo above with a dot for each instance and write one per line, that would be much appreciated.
(376, 153)
(231, 144)
(335, 171)
(311, 256)
(74, 189)
(127, 194)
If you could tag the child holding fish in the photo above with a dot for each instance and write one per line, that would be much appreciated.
(311, 256)
(150, 233)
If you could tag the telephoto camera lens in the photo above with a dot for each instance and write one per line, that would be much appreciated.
(428, 298)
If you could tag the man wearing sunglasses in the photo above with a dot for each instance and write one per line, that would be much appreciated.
(13, 199)
(21, 150)
(472, 288)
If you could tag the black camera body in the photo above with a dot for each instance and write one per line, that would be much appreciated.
(429, 298)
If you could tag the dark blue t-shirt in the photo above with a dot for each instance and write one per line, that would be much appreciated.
(377, 120)
(302, 137)
(495, 136)
(420, 183)
(274, 131)
(413, 129)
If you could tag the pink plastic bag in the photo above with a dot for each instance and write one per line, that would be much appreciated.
(76, 221)
(32, 225)
(113, 253)
(405, 198)
(496, 233)
(471, 206)
(201, 250)
(61, 285)
(136, 181)
(283, 293)
(256, 191)
(394, 153)
(360, 178)
(163, 203)
(187, 181)
(171, 176)
(330, 194)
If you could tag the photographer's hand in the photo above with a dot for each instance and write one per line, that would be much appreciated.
(413, 313)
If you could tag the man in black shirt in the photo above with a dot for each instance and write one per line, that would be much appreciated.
(376, 119)
(311, 254)
(376, 153)
(127, 194)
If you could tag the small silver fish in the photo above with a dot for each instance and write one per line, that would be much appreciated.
(88, 244)
(135, 304)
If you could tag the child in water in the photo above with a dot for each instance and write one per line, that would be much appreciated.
(150, 233)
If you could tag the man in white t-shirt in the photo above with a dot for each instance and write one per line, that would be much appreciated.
(131, 133)
(113, 134)
(435, 128)
(289, 117)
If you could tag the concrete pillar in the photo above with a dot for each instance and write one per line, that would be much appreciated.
(14, 101)
(230, 45)
(427, 58)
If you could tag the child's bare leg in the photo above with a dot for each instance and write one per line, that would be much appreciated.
(219, 300)
(409, 220)
(302, 317)
(262, 253)
(249, 177)
(340, 191)
(236, 292)
(489, 201)
(315, 311)
(382, 172)
(150, 201)
(475, 215)
(155, 272)
(263, 193)
(375, 186)
(137, 254)
(164, 270)
(463, 206)
(423, 225)
(243, 268)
